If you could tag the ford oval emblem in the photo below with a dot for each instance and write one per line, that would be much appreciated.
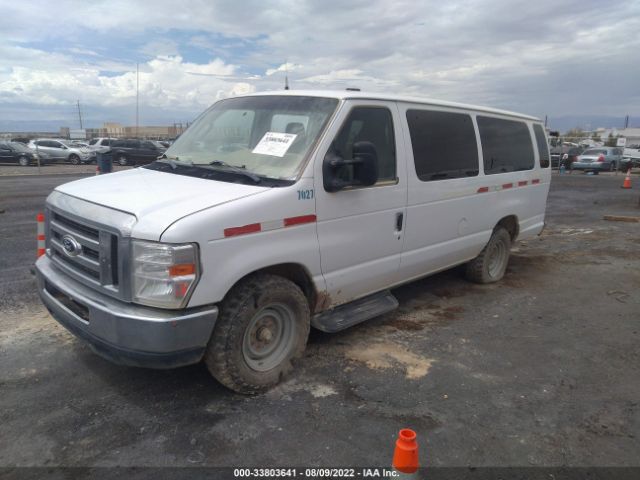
(71, 246)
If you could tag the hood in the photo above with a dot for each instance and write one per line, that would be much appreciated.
(157, 199)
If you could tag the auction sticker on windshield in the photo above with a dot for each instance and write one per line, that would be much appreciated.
(275, 144)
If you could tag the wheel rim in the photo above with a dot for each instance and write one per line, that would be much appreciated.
(23, 161)
(269, 337)
(122, 160)
(497, 258)
(75, 160)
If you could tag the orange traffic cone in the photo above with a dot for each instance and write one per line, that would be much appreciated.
(405, 456)
(627, 180)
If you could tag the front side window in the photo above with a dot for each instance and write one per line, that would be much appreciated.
(368, 124)
(444, 145)
(268, 136)
(506, 145)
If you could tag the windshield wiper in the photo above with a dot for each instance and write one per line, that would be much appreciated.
(232, 168)
(171, 160)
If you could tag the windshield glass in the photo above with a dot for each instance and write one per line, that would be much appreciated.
(266, 135)
(594, 152)
(19, 147)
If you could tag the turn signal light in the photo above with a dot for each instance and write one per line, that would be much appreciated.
(182, 269)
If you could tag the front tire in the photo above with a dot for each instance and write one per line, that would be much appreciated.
(263, 326)
(23, 161)
(122, 160)
(490, 265)
(74, 159)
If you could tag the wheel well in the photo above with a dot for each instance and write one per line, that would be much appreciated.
(298, 275)
(511, 224)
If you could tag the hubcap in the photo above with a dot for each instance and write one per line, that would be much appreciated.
(269, 337)
(496, 259)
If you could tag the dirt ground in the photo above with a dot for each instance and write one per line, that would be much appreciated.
(542, 369)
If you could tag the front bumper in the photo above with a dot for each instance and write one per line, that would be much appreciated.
(124, 333)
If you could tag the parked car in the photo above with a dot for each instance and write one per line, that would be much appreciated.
(566, 155)
(135, 152)
(62, 150)
(631, 156)
(601, 159)
(11, 152)
(276, 212)
(98, 143)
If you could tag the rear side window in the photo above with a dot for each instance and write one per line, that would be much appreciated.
(444, 144)
(506, 145)
(543, 148)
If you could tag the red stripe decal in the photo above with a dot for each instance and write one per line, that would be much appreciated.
(40, 237)
(535, 181)
(483, 189)
(288, 222)
(522, 184)
(233, 231)
(40, 217)
(507, 185)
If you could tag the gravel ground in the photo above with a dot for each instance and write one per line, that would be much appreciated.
(542, 369)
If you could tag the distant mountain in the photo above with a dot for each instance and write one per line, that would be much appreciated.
(561, 123)
(589, 122)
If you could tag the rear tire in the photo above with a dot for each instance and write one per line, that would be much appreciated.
(122, 160)
(490, 265)
(74, 159)
(23, 161)
(263, 326)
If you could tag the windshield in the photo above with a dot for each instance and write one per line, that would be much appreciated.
(594, 152)
(19, 147)
(265, 135)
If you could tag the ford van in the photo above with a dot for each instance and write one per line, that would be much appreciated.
(277, 212)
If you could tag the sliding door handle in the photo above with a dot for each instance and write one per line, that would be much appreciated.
(399, 221)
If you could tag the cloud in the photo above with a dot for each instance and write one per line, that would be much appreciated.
(544, 57)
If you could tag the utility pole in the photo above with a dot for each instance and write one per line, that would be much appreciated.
(545, 121)
(137, 98)
(79, 115)
(626, 121)
(286, 76)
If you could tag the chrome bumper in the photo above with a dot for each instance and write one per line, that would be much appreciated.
(124, 333)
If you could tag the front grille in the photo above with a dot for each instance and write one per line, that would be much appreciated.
(96, 259)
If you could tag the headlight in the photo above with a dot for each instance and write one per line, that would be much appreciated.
(163, 275)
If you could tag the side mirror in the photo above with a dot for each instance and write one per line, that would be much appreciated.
(364, 163)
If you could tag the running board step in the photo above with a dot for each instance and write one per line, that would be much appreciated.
(355, 312)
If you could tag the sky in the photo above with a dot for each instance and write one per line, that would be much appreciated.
(576, 61)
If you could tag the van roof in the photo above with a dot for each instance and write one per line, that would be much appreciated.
(350, 94)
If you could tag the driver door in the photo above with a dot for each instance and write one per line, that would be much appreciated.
(360, 229)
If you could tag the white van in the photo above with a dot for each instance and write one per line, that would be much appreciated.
(279, 211)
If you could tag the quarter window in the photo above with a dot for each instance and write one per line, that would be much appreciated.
(506, 145)
(370, 124)
(543, 148)
(444, 144)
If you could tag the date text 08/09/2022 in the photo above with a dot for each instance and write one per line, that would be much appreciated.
(314, 473)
